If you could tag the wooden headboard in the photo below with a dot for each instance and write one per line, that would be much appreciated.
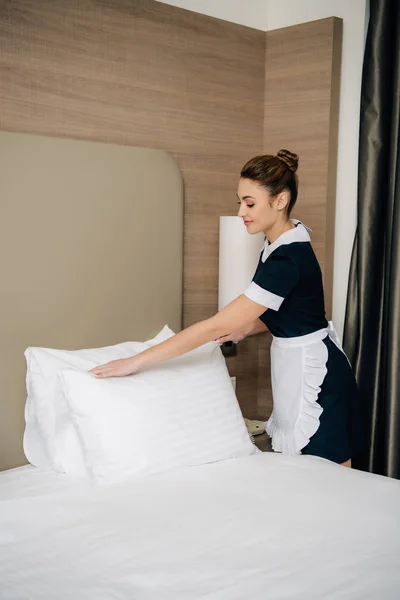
(91, 252)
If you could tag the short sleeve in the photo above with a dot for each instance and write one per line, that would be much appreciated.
(273, 281)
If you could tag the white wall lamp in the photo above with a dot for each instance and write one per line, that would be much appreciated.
(239, 253)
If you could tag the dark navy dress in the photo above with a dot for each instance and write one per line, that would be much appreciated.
(316, 402)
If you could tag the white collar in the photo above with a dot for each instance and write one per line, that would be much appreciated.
(300, 233)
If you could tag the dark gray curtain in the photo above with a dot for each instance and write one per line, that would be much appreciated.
(372, 325)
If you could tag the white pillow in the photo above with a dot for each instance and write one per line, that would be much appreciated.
(180, 413)
(50, 439)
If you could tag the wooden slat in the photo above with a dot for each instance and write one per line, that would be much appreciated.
(302, 82)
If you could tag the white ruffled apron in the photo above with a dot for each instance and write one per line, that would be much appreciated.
(298, 369)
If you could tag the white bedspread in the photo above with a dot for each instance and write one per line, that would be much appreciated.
(266, 526)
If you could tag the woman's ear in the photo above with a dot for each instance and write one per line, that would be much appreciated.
(282, 201)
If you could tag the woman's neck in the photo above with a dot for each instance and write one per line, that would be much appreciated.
(278, 229)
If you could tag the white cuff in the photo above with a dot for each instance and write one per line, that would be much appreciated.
(263, 297)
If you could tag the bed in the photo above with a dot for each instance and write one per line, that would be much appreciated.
(202, 514)
(265, 526)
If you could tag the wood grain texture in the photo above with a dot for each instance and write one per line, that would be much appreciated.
(302, 83)
(148, 74)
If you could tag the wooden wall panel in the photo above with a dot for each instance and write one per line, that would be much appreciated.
(147, 74)
(144, 73)
(302, 84)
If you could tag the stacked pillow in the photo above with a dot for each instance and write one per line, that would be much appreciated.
(180, 413)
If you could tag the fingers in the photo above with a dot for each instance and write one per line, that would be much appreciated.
(116, 368)
(100, 368)
(103, 371)
(223, 339)
(232, 337)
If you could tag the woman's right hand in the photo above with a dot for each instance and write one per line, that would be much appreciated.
(118, 368)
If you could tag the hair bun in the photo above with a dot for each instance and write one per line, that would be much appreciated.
(291, 160)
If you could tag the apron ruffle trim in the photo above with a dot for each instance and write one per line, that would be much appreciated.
(315, 357)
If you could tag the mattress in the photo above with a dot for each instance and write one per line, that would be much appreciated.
(264, 526)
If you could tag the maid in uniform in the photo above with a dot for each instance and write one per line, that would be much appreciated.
(315, 398)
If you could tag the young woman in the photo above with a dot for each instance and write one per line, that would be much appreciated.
(315, 396)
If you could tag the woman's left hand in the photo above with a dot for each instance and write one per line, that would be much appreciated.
(235, 337)
(117, 368)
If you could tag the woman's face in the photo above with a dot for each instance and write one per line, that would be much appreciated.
(258, 210)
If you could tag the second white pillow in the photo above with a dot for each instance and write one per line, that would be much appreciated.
(180, 413)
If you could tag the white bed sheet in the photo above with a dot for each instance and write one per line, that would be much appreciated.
(264, 526)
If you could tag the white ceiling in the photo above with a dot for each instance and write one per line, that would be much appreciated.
(252, 13)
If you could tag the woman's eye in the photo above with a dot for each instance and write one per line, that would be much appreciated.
(247, 205)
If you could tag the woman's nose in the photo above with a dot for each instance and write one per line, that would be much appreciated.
(241, 211)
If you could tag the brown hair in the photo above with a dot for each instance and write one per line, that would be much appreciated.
(275, 173)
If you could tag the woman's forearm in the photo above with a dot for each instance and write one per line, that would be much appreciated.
(241, 313)
(190, 338)
(238, 315)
